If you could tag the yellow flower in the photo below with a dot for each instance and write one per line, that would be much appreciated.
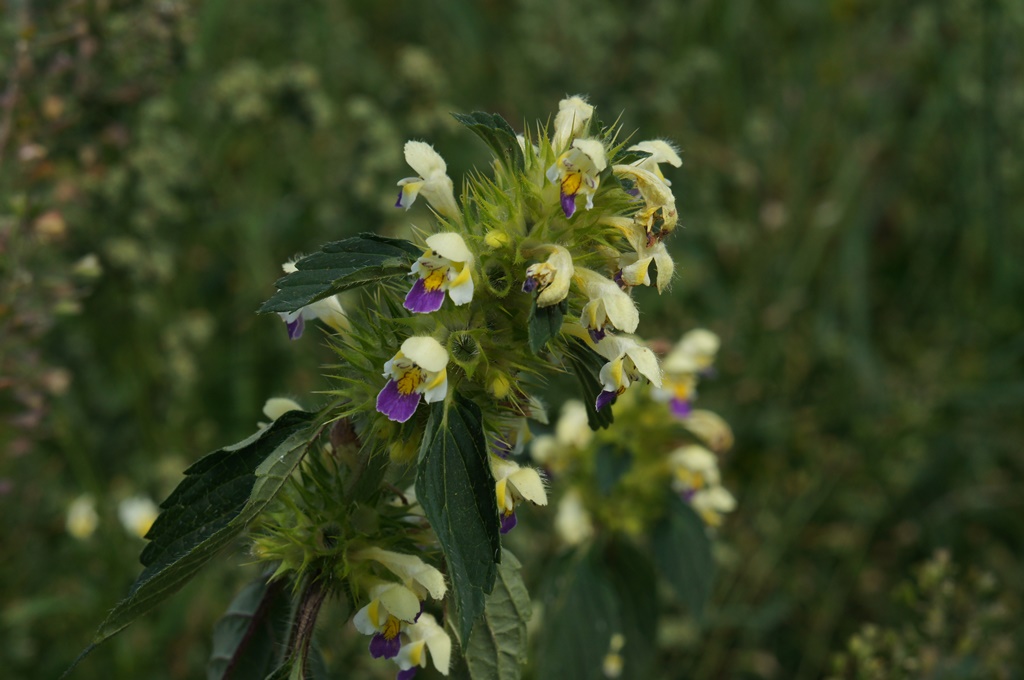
(628, 362)
(425, 636)
(82, 520)
(661, 152)
(512, 484)
(577, 172)
(551, 278)
(447, 265)
(609, 305)
(658, 217)
(574, 114)
(137, 514)
(419, 368)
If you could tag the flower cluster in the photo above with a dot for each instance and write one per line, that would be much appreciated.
(679, 450)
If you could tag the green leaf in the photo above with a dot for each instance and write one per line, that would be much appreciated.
(590, 598)
(498, 135)
(545, 323)
(682, 553)
(340, 266)
(456, 489)
(250, 637)
(627, 157)
(220, 495)
(586, 366)
(497, 646)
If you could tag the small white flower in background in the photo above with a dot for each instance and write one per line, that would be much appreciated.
(692, 356)
(424, 636)
(574, 114)
(327, 310)
(572, 521)
(694, 468)
(613, 662)
(572, 433)
(661, 152)
(82, 520)
(710, 428)
(137, 514)
(433, 181)
(712, 503)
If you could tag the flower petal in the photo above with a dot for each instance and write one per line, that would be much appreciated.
(422, 158)
(395, 405)
(423, 301)
(425, 352)
(451, 246)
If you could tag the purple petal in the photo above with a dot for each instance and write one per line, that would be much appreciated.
(296, 327)
(681, 408)
(604, 399)
(407, 674)
(530, 284)
(395, 405)
(597, 335)
(381, 647)
(508, 522)
(502, 449)
(421, 300)
(569, 205)
(688, 495)
(398, 203)
(634, 192)
(618, 280)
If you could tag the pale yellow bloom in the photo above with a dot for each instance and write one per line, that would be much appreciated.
(433, 181)
(81, 520)
(137, 514)
(574, 114)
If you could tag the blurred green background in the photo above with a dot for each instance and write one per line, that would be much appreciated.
(853, 207)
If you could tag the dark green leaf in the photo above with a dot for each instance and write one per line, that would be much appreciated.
(456, 489)
(610, 463)
(545, 323)
(498, 135)
(591, 597)
(249, 640)
(586, 365)
(342, 265)
(220, 495)
(627, 157)
(497, 646)
(682, 553)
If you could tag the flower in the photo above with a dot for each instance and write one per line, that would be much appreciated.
(433, 181)
(137, 514)
(574, 114)
(711, 503)
(576, 172)
(659, 217)
(572, 521)
(275, 407)
(424, 636)
(416, 574)
(514, 483)
(692, 355)
(710, 428)
(628, 362)
(327, 310)
(550, 278)
(418, 368)
(446, 265)
(82, 520)
(634, 268)
(661, 152)
(572, 433)
(608, 305)
(694, 468)
(391, 605)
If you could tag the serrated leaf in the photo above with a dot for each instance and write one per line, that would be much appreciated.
(455, 487)
(544, 324)
(627, 157)
(498, 135)
(497, 645)
(590, 598)
(682, 553)
(249, 640)
(220, 495)
(586, 366)
(340, 266)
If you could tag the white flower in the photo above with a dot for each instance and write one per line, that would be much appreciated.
(609, 305)
(426, 636)
(572, 522)
(82, 520)
(447, 265)
(659, 217)
(577, 172)
(278, 406)
(694, 353)
(712, 503)
(433, 181)
(694, 467)
(574, 114)
(661, 152)
(416, 574)
(572, 433)
(419, 368)
(628, 361)
(550, 278)
(512, 484)
(137, 514)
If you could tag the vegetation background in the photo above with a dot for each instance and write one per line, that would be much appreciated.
(852, 203)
